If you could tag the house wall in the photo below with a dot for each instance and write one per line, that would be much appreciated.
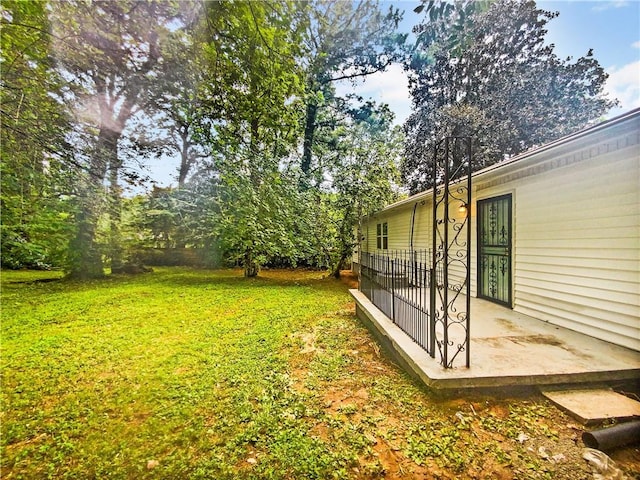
(399, 223)
(399, 229)
(576, 235)
(576, 254)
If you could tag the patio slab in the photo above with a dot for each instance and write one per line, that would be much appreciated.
(508, 349)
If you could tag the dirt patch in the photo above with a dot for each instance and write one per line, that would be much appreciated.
(627, 456)
(349, 278)
(345, 400)
(308, 340)
(401, 430)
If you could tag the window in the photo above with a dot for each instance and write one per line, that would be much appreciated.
(381, 236)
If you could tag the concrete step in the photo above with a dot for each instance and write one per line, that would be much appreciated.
(594, 406)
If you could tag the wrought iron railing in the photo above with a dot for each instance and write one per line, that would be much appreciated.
(451, 240)
(427, 293)
(397, 282)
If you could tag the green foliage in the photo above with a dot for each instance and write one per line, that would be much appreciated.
(110, 53)
(482, 69)
(252, 51)
(226, 86)
(36, 235)
(255, 220)
(249, 85)
(367, 149)
(165, 218)
(181, 129)
(35, 171)
(436, 441)
(253, 77)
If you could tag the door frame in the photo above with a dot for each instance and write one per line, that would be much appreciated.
(510, 261)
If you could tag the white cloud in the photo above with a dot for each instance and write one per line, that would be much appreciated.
(601, 6)
(636, 44)
(390, 87)
(624, 84)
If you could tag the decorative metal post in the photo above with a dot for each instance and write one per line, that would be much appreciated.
(451, 236)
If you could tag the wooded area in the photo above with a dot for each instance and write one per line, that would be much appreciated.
(275, 167)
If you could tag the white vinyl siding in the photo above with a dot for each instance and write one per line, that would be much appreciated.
(399, 223)
(422, 226)
(399, 229)
(577, 241)
(578, 248)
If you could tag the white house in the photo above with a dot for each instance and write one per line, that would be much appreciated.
(559, 235)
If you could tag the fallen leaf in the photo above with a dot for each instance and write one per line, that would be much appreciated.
(543, 453)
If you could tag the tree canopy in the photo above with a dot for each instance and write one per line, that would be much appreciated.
(36, 168)
(482, 69)
(275, 167)
(110, 53)
(344, 41)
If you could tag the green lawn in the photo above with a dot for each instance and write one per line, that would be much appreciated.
(204, 374)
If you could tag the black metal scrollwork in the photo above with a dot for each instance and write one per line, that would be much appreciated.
(450, 305)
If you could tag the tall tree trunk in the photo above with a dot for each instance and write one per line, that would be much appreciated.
(309, 133)
(85, 258)
(185, 159)
(115, 217)
(254, 172)
(346, 243)
(343, 258)
(251, 265)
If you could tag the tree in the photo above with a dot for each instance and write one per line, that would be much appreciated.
(185, 131)
(254, 86)
(110, 52)
(36, 171)
(365, 179)
(253, 94)
(344, 41)
(483, 69)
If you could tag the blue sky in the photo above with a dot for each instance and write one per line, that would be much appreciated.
(611, 28)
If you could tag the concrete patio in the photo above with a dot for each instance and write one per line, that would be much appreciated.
(508, 349)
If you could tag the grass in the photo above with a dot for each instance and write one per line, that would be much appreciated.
(204, 374)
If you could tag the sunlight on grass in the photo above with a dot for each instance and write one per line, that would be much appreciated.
(205, 374)
(102, 377)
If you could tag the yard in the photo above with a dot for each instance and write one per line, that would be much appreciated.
(205, 374)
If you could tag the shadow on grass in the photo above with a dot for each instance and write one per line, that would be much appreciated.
(234, 278)
(32, 282)
(175, 276)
